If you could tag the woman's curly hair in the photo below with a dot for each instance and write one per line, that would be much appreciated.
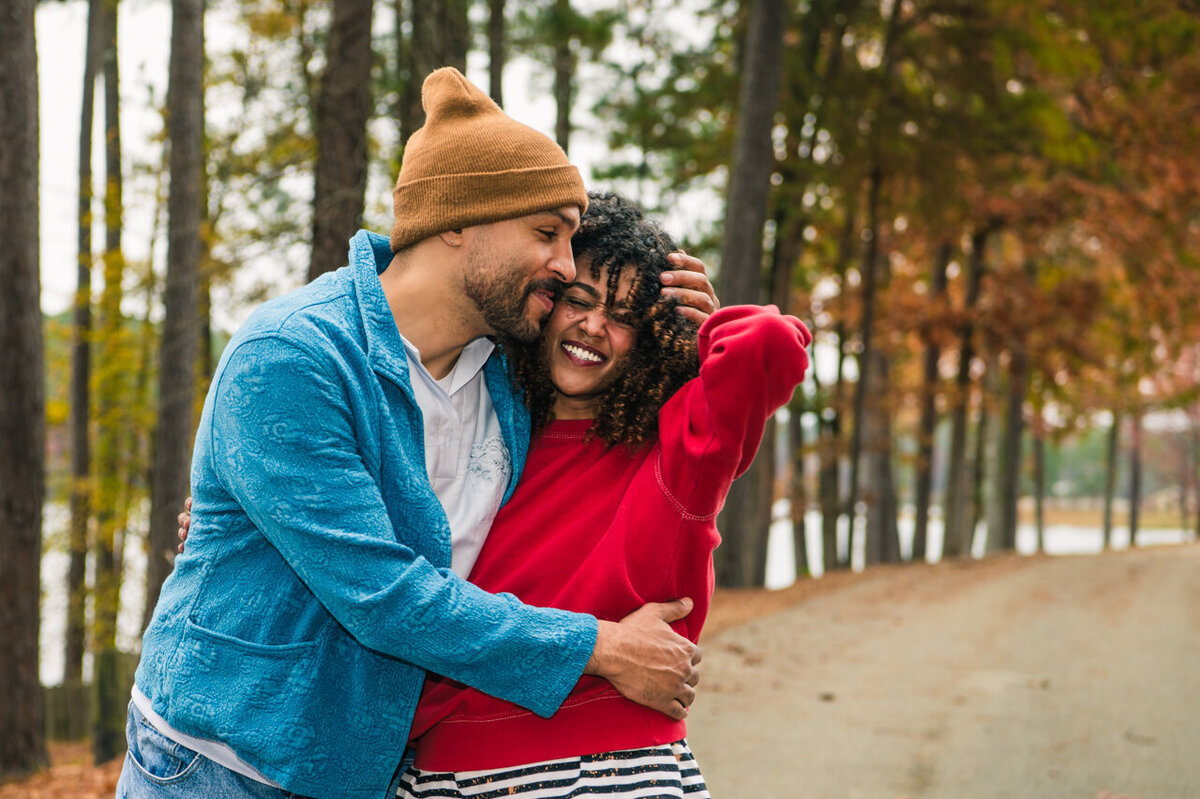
(616, 235)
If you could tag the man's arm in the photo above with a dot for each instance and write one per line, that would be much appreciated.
(644, 659)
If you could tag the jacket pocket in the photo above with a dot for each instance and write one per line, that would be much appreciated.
(253, 697)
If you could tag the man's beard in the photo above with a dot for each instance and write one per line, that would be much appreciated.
(502, 299)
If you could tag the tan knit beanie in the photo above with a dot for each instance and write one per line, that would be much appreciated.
(472, 164)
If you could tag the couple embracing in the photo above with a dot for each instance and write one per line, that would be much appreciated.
(454, 504)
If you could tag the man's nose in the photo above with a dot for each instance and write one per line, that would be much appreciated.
(563, 262)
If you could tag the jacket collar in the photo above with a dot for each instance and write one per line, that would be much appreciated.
(370, 255)
(509, 402)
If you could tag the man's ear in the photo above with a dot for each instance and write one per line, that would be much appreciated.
(452, 238)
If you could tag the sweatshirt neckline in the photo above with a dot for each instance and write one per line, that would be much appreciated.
(567, 428)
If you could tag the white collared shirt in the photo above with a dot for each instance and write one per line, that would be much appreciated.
(465, 455)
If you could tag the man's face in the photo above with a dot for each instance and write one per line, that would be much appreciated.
(515, 269)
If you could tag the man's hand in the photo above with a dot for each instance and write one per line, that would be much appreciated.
(185, 521)
(689, 283)
(646, 661)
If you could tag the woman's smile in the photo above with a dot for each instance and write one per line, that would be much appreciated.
(582, 355)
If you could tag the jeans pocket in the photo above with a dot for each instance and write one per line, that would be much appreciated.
(157, 757)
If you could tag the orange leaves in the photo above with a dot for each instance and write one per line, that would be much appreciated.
(71, 774)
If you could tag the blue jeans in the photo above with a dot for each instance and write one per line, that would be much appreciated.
(158, 768)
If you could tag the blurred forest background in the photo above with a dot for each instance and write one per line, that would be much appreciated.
(988, 211)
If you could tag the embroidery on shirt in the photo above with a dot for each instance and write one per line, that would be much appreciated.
(489, 461)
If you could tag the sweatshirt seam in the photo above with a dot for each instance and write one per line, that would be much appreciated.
(675, 503)
(517, 714)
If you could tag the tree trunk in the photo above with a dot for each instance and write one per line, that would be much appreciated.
(955, 543)
(565, 62)
(828, 484)
(441, 35)
(108, 739)
(978, 473)
(798, 492)
(207, 355)
(990, 478)
(830, 448)
(957, 538)
(22, 398)
(746, 517)
(869, 286)
(874, 417)
(789, 243)
(1110, 478)
(402, 101)
(497, 50)
(1011, 456)
(879, 495)
(1185, 482)
(1196, 471)
(927, 427)
(1135, 477)
(81, 369)
(112, 369)
(1039, 480)
(343, 108)
(177, 370)
(149, 344)
(741, 277)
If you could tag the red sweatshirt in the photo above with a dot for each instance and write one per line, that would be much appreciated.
(604, 531)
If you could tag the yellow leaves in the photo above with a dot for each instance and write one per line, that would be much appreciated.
(57, 411)
(271, 21)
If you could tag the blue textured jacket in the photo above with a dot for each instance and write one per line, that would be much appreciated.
(315, 589)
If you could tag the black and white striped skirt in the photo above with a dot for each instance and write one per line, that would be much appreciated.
(656, 772)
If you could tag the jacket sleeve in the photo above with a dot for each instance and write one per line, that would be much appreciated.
(284, 446)
(751, 360)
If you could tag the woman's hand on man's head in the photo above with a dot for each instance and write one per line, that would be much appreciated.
(689, 283)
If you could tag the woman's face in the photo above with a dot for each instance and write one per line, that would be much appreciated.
(586, 342)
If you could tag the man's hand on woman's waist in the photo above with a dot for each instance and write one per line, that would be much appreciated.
(647, 661)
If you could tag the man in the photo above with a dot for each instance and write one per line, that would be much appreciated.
(358, 437)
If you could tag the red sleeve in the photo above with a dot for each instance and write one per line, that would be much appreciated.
(751, 360)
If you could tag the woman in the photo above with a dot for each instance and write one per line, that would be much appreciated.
(639, 429)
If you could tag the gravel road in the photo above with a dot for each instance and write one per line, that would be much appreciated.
(1038, 678)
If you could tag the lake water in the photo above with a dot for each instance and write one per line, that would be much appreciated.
(55, 562)
(781, 566)
(1059, 539)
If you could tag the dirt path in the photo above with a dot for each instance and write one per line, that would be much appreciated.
(1016, 677)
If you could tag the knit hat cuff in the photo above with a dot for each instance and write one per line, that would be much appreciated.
(449, 202)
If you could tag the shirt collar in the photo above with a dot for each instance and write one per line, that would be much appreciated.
(469, 362)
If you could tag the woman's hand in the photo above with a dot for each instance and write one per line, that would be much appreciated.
(689, 283)
(185, 521)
